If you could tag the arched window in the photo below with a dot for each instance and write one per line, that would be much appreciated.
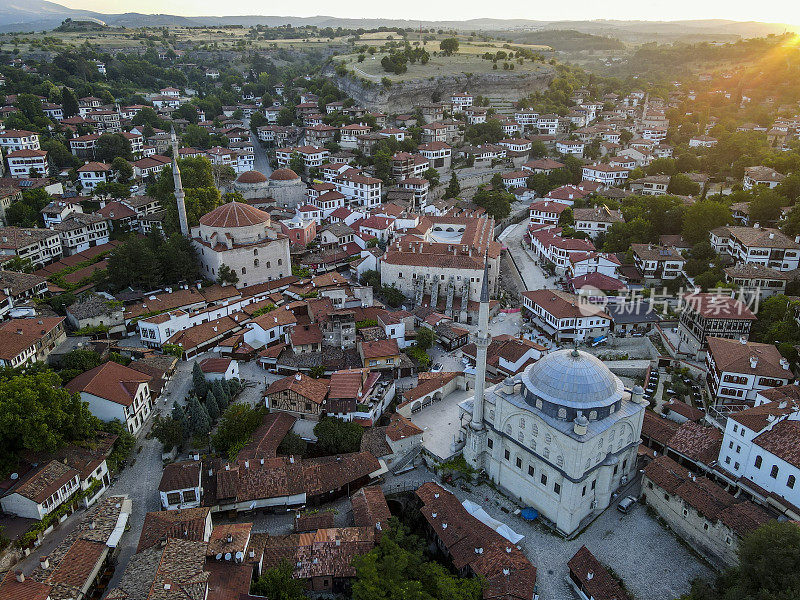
(562, 413)
(612, 409)
(758, 462)
(560, 461)
(539, 403)
(521, 437)
(280, 262)
(547, 452)
(255, 263)
(534, 430)
(491, 415)
(255, 251)
(244, 270)
(268, 264)
(522, 423)
(592, 415)
(790, 482)
(548, 438)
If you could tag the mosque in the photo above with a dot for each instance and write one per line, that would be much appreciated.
(560, 437)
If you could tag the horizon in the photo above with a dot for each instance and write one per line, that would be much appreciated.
(768, 12)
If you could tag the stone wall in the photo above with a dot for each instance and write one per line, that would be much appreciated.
(405, 95)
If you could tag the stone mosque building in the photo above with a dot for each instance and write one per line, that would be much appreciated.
(284, 186)
(241, 236)
(560, 437)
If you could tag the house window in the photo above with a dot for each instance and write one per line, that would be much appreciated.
(173, 498)
(557, 488)
(490, 443)
(244, 270)
(544, 479)
(530, 470)
(506, 454)
(519, 462)
(790, 482)
(758, 462)
(189, 496)
(268, 264)
(774, 472)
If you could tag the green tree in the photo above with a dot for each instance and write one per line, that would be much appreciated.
(292, 444)
(199, 421)
(425, 338)
(702, 217)
(296, 163)
(226, 275)
(765, 207)
(69, 102)
(497, 203)
(197, 137)
(432, 175)
(335, 436)
(235, 428)
(682, 185)
(122, 168)
(38, 415)
(397, 568)
(202, 194)
(199, 383)
(212, 406)
(449, 46)
(169, 431)
(278, 583)
(453, 188)
(112, 145)
(221, 394)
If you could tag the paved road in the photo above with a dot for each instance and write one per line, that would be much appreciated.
(532, 274)
(262, 160)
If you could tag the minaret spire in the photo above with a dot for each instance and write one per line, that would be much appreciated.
(482, 340)
(180, 195)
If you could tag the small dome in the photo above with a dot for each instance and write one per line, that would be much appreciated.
(573, 379)
(234, 214)
(637, 389)
(283, 175)
(251, 177)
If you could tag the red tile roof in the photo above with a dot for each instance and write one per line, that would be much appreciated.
(111, 381)
(595, 580)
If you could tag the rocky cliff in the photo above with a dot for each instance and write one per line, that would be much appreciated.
(405, 95)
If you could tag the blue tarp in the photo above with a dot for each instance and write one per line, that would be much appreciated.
(529, 514)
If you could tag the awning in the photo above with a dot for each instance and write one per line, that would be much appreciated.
(476, 510)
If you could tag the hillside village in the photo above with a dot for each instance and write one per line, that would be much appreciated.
(257, 338)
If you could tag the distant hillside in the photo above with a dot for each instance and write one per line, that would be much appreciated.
(559, 39)
(27, 15)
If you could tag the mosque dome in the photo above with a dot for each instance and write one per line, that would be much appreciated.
(234, 214)
(283, 175)
(251, 177)
(574, 380)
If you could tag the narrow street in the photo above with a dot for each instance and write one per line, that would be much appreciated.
(532, 274)
(262, 160)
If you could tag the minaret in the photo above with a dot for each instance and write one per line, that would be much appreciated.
(180, 195)
(482, 340)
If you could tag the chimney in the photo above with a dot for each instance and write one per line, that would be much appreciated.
(743, 340)
(753, 362)
(589, 576)
(230, 538)
(20, 576)
(44, 562)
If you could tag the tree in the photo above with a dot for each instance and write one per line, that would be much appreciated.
(38, 415)
(702, 217)
(296, 163)
(27, 212)
(335, 436)
(432, 175)
(791, 226)
(765, 207)
(235, 428)
(221, 394)
(199, 383)
(202, 194)
(449, 46)
(425, 338)
(212, 406)
(278, 583)
(197, 137)
(69, 102)
(168, 431)
(682, 185)
(453, 188)
(226, 275)
(122, 168)
(398, 563)
(111, 145)
(292, 444)
(199, 421)
(496, 202)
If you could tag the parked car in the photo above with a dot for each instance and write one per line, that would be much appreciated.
(626, 504)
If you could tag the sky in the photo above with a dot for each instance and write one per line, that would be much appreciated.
(773, 11)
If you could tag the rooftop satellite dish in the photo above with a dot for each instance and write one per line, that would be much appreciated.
(227, 556)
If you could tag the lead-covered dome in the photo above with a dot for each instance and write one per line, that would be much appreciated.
(572, 379)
